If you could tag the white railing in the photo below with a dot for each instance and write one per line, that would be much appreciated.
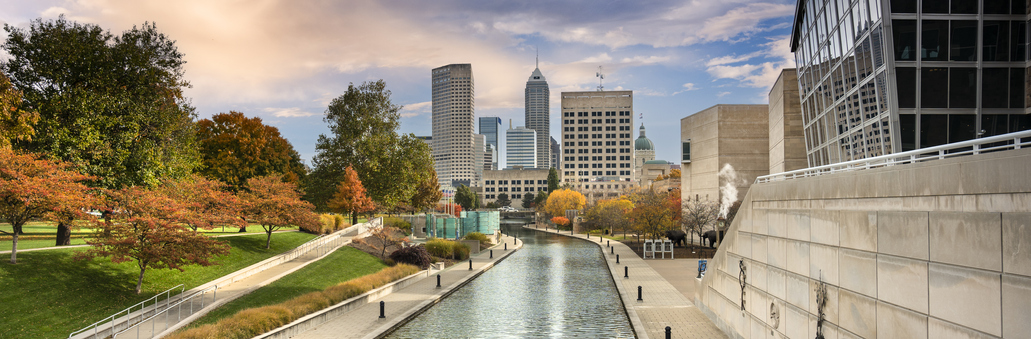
(975, 146)
(165, 315)
(127, 312)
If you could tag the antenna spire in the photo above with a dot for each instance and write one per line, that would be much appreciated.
(537, 63)
(601, 77)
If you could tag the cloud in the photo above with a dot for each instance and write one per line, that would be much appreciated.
(687, 88)
(411, 110)
(773, 56)
(721, 94)
(292, 112)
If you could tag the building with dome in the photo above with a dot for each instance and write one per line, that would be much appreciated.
(644, 150)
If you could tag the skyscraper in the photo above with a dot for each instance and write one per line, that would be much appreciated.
(556, 154)
(520, 146)
(538, 116)
(490, 127)
(453, 107)
(596, 138)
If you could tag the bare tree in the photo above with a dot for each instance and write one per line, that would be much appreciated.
(699, 215)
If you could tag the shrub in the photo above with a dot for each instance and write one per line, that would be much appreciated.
(443, 248)
(482, 238)
(415, 256)
(398, 223)
(339, 222)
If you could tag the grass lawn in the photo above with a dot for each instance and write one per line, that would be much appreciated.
(342, 265)
(48, 294)
(46, 229)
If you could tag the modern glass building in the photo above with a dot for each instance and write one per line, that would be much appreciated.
(878, 77)
(520, 147)
(490, 127)
(538, 104)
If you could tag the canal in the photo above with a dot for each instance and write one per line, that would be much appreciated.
(554, 287)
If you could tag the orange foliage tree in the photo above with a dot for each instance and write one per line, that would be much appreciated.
(205, 202)
(275, 204)
(350, 196)
(32, 187)
(654, 213)
(560, 221)
(236, 148)
(148, 227)
(564, 199)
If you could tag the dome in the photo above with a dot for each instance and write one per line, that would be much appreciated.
(643, 143)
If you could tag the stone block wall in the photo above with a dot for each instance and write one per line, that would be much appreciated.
(940, 249)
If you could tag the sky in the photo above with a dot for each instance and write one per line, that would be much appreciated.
(285, 60)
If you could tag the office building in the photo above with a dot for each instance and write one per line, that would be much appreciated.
(884, 77)
(538, 115)
(520, 147)
(515, 182)
(490, 127)
(721, 135)
(453, 106)
(490, 156)
(597, 136)
(787, 144)
(556, 155)
(480, 153)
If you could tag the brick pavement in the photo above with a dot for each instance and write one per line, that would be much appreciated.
(662, 303)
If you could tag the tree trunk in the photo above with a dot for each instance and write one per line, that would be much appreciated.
(14, 248)
(354, 218)
(243, 229)
(268, 240)
(139, 282)
(64, 235)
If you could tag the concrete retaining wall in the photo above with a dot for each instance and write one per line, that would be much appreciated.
(940, 249)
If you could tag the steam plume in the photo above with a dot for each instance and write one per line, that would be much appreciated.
(728, 192)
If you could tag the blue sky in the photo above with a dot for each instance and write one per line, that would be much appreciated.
(285, 60)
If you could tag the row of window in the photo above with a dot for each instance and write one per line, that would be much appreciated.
(595, 121)
(595, 150)
(960, 7)
(958, 40)
(595, 128)
(596, 136)
(493, 196)
(514, 182)
(586, 173)
(515, 189)
(596, 143)
(956, 87)
(940, 129)
(597, 158)
(596, 114)
(596, 165)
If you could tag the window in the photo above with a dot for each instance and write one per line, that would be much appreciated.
(996, 40)
(961, 127)
(964, 39)
(906, 83)
(933, 130)
(903, 6)
(935, 45)
(962, 88)
(904, 39)
(1017, 88)
(686, 151)
(996, 7)
(995, 83)
(1017, 42)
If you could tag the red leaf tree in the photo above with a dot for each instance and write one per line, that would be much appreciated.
(31, 187)
(350, 196)
(275, 204)
(456, 208)
(205, 203)
(147, 227)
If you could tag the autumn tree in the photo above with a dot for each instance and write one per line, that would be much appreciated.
(112, 105)
(32, 187)
(560, 221)
(350, 197)
(15, 122)
(528, 200)
(699, 215)
(428, 193)
(363, 125)
(564, 199)
(653, 213)
(235, 148)
(503, 200)
(610, 214)
(673, 174)
(204, 203)
(456, 209)
(275, 204)
(148, 228)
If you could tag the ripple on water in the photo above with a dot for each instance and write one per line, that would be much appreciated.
(554, 287)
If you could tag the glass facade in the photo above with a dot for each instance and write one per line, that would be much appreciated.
(877, 77)
(521, 147)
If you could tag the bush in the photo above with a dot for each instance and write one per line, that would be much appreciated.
(482, 238)
(442, 248)
(339, 222)
(415, 256)
(398, 223)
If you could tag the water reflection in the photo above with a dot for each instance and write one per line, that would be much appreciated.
(553, 287)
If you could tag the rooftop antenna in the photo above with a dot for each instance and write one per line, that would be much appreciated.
(601, 78)
(537, 62)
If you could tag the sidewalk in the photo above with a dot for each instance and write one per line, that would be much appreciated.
(663, 303)
(409, 302)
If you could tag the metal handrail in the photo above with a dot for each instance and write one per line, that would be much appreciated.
(128, 311)
(975, 146)
(201, 293)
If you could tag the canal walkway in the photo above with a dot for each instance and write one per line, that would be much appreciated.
(662, 304)
(407, 303)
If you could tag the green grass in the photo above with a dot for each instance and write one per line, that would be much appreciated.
(342, 265)
(48, 294)
(49, 230)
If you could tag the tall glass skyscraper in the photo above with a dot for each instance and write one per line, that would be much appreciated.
(453, 107)
(538, 116)
(490, 127)
(520, 146)
(879, 77)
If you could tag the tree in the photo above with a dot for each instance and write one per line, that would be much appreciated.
(204, 202)
(564, 199)
(235, 148)
(653, 213)
(560, 221)
(148, 228)
(428, 193)
(540, 200)
(363, 125)
(456, 209)
(503, 200)
(31, 187)
(113, 106)
(699, 215)
(350, 197)
(465, 197)
(527, 200)
(610, 214)
(552, 180)
(15, 122)
(275, 204)
(673, 174)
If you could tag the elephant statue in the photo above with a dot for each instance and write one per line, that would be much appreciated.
(677, 237)
(711, 237)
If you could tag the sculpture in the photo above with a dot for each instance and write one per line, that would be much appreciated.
(677, 237)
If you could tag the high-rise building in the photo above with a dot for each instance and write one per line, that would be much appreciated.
(490, 158)
(538, 115)
(490, 127)
(520, 146)
(644, 151)
(597, 136)
(556, 155)
(880, 77)
(453, 107)
(479, 152)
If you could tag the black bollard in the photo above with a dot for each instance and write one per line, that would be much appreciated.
(588, 234)
(382, 305)
(470, 264)
(617, 258)
(626, 272)
(639, 293)
(669, 332)
(438, 280)
(608, 243)
(492, 254)
(514, 241)
(506, 246)
(612, 250)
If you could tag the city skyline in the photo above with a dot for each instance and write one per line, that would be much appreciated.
(284, 62)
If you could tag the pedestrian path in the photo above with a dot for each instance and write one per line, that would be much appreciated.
(661, 304)
(407, 303)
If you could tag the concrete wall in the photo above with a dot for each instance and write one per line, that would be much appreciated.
(940, 249)
(787, 144)
(724, 134)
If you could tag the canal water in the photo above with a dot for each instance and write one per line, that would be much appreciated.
(554, 287)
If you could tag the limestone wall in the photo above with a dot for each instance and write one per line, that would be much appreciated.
(940, 249)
